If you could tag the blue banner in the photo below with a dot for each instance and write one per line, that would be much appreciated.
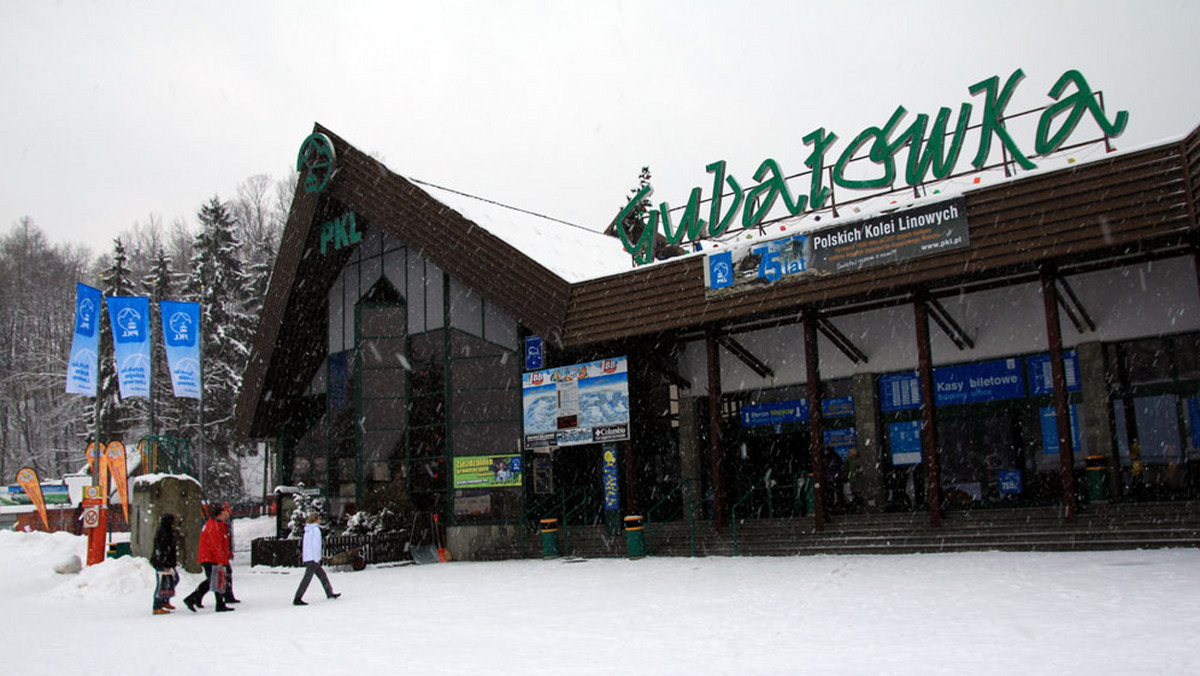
(85, 347)
(129, 317)
(181, 332)
(612, 490)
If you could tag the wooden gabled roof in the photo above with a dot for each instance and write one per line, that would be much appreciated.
(1128, 205)
(290, 342)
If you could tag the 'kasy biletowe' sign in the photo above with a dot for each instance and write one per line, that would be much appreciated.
(891, 238)
(933, 149)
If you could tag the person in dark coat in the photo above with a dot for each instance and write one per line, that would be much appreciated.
(163, 560)
(214, 558)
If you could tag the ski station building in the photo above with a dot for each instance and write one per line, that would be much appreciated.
(868, 336)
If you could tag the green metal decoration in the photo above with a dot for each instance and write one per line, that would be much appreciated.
(317, 161)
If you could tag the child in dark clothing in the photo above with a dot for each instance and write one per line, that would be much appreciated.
(164, 560)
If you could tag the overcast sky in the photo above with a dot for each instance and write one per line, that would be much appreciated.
(116, 110)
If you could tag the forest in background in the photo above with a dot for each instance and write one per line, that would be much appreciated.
(223, 260)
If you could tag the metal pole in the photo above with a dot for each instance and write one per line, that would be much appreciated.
(200, 344)
(929, 439)
(815, 445)
(1058, 374)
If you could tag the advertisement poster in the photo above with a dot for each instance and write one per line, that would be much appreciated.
(487, 471)
(578, 404)
(882, 240)
(612, 489)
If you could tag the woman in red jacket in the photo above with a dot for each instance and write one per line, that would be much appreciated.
(214, 557)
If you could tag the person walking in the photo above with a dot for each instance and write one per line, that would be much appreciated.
(214, 558)
(229, 597)
(163, 560)
(311, 555)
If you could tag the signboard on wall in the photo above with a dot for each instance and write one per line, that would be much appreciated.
(994, 380)
(793, 410)
(487, 471)
(1050, 430)
(1040, 379)
(579, 404)
(891, 238)
(534, 357)
(905, 442)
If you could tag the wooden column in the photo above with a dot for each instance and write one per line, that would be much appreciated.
(720, 518)
(929, 439)
(1058, 374)
(815, 439)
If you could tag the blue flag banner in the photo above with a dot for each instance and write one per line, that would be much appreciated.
(129, 317)
(85, 347)
(181, 332)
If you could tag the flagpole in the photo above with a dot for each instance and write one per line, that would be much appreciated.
(150, 371)
(200, 368)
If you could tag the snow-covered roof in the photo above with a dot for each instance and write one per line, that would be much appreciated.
(572, 252)
(578, 254)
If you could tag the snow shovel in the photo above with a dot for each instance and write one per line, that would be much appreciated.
(422, 554)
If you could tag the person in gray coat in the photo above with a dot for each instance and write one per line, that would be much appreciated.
(311, 556)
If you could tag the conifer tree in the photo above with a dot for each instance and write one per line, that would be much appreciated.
(218, 283)
(167, 414)
(117, 416)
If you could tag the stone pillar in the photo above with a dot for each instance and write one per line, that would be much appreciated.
(691, 452)
(1097, 410)
(869, 439)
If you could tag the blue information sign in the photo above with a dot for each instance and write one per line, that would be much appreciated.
(1050, 430)
(534, 360)
(983, 381)
(905, 438)
(793, 410)
(962, 384)
(899, 391)
(1040, 381)
(1010, 482)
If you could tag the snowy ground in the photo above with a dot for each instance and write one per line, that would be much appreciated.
(1130, 612)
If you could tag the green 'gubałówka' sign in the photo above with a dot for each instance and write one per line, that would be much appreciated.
(927, 152)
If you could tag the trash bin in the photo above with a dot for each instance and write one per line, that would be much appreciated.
(118, 549)
(549, 531)
(635, 537)
(1097, 477)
